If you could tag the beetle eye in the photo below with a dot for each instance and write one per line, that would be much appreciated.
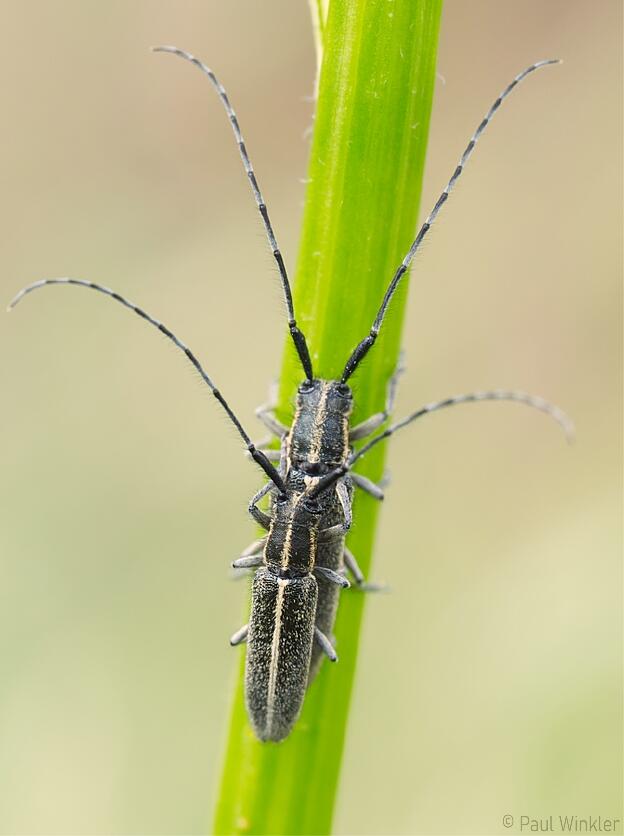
(306, 386)
(344, 390)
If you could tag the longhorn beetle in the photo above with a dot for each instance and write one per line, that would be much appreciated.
(301, 562)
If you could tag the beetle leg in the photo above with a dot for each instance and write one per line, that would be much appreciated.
(247, 562)
(325, 645)
(267, 416)
(367, 427)
(368, 486)
(332, 576)
(353, 567)
(259, 516)
(283, 468)
(240, 636)
(375, 421)
(345, 501)
(255, 548)
(385, 480)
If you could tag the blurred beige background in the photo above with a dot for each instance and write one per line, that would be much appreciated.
(490, 681)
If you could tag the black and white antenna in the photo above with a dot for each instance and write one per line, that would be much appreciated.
(297, 335)
(362, 349)
(257, 455)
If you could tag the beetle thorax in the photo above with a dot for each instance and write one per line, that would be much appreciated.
(293, 536)
(319, 437)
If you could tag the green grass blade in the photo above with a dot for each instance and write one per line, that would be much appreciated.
(365, 175)
(318, 11)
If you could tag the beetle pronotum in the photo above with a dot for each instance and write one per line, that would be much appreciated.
(301, 562)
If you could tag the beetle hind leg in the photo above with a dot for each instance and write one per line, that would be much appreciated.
(325, 645)
(358, 576)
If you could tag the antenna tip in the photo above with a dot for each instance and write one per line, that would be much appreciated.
(545, 62)
(167, 48)
(164, 48)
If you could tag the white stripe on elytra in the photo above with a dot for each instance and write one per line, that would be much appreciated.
(282, 583)
(288, 535)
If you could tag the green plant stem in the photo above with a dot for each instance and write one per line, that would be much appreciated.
(318, 12)
(365, 174)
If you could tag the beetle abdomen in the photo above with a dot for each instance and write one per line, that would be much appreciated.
(279, 646)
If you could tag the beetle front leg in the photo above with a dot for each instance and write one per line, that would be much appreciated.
(259, 516)
(266, 413)
(375, 421)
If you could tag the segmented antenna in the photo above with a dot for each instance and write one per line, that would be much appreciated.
(297, 335)
(495, 395)
(257, 455)
(366, 344)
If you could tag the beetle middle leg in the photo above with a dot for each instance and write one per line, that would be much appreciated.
(368, 486)
(375, 421)
(251, 556)
(337, 532)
